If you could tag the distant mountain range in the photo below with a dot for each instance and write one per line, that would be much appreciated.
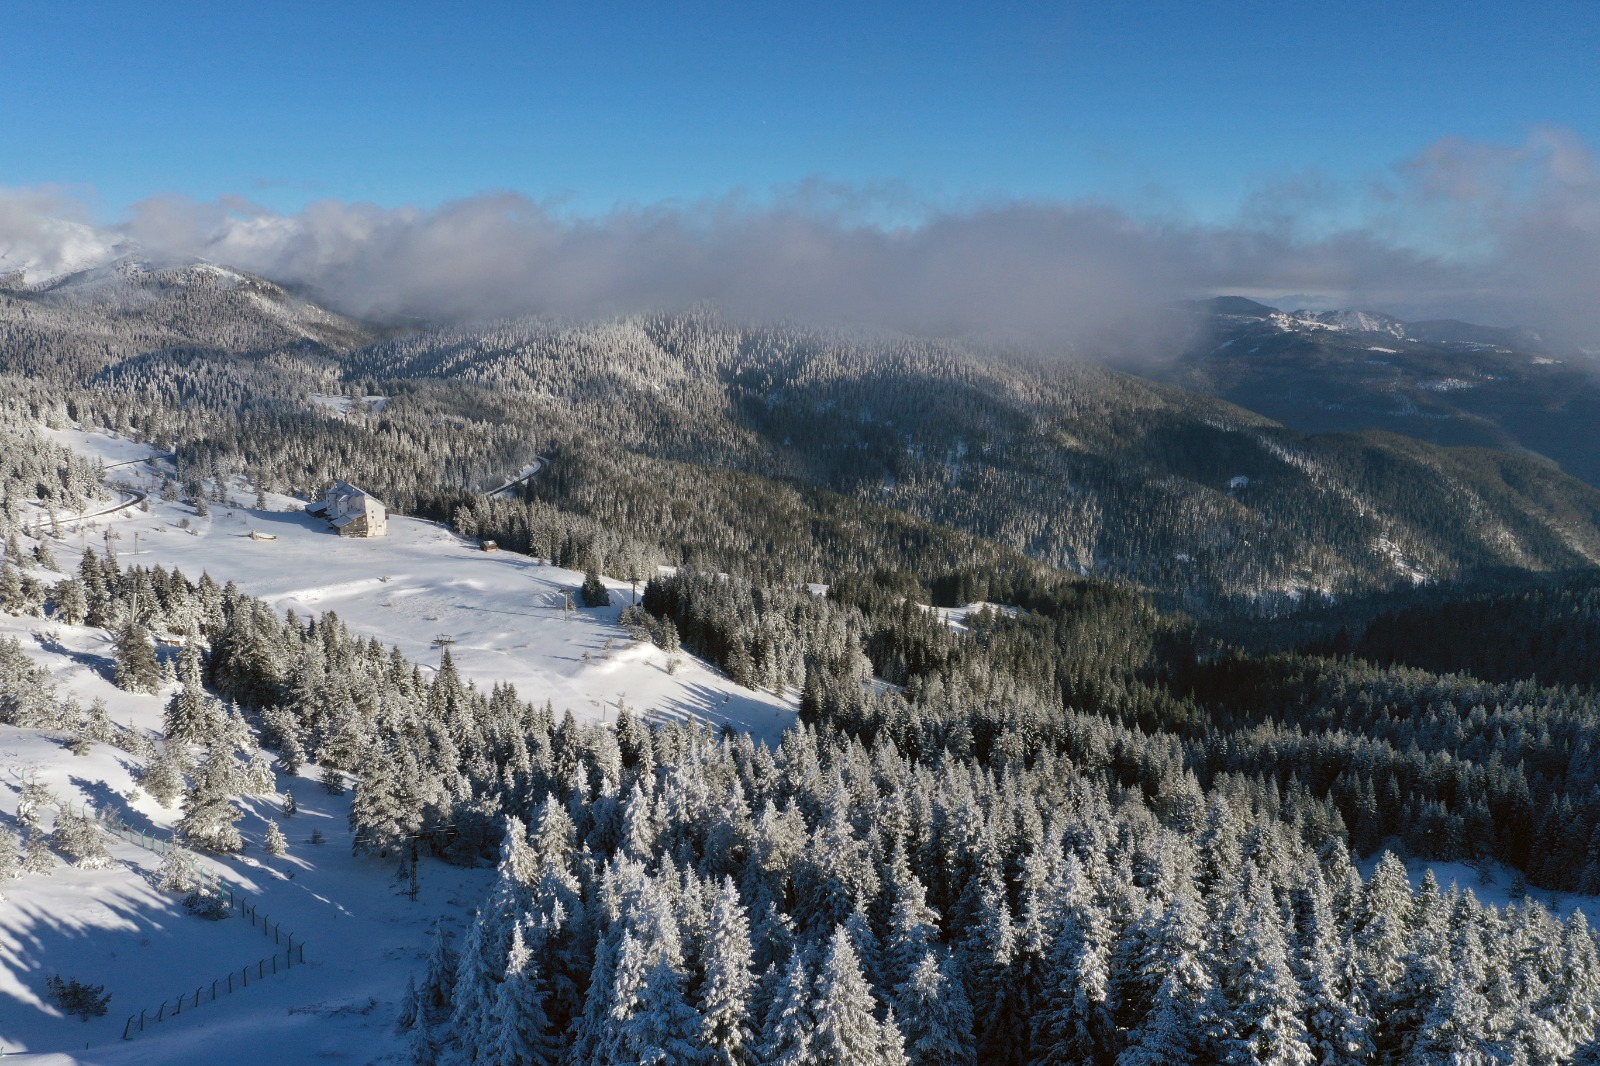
(1443, 381)
(1203, 502)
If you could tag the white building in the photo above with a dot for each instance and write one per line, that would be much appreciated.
(351, 511)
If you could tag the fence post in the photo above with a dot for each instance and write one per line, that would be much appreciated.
(141, 1019)
(179, 1008)
(213, 991)
(247, 977)
(230, 983)
(126, 1026)
(197, 995)
(162, 1013)
(302, 953)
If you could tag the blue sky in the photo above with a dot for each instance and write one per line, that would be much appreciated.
(1178, 107)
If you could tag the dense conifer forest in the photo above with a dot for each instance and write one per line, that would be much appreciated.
(1092, 824)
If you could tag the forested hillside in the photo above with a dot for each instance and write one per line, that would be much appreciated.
(1206, 506)
(1074, 825)
(1445, 382)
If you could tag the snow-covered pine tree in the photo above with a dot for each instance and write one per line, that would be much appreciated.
(1336, 1020)
(1183, 1022)
(10, 855)
(594, 592)
(787, 1032)
(382, 814)
(478, 975)
(79, 839)
(437, 991)
(208, 814)
(665, 1029)
(33, 800)
(1073, 1025)
(522, 1034)
(191, 717)
(913, 929)
(1266, 1007)
(37, 858)
(136, 667)
(177, 872)
(934, 1015)
(164, 775)
(274, 843)
(726, 989)
(846, 1030)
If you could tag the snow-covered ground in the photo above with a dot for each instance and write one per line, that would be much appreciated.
(1491, 882)
(363, 938)
(956, 617)
(345, 404)
(503, 612)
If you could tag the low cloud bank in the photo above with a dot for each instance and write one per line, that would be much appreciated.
(1491, 233)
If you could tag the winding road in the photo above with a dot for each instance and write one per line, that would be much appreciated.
(539, 463)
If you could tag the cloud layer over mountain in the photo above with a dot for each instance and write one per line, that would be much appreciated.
(1493, 233)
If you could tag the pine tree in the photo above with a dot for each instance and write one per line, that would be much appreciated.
(1074, 1024)
(12, 597)
(10, 855)
(437, 991)
(934, 1015)
(846, 1030)
(479, 971)
(34, 798)
(208, 814)
(76, 837)
(663, 1031)
(274, 843)
(37, 857)
(137, 668)
(177, 872)
(1266, 1004)
(913, 929)
(725, 995)
(72, 606)
(382, 814)
(163, 777)
(191, 717)
(1182, 1023)
(522, 1034)
(594, 592)
(787, 1034)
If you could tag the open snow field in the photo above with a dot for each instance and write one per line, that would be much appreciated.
(417, 585)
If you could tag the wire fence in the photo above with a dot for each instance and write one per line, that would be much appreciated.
(112, 822)
(292, 955)
(235, 981)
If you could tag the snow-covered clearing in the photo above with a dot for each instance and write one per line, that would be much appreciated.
(503, 613)
(956, 617)
(345, 404)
